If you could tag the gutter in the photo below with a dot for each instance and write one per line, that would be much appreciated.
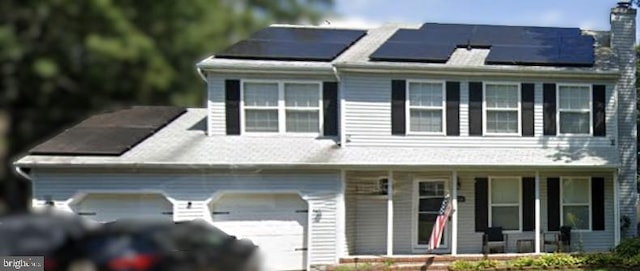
(475, 71)
(461, 167)
(20, 171)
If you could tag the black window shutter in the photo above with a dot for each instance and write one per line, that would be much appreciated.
(475, 108)
(527, 97)
(597, 208)
(528, 204)
(482, 204)
(330, 108)
(553, 204)
(453, 108)
(232, 106)
(398, 104)
(599, 115)
(549, 109)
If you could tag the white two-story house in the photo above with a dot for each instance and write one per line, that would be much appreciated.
(322, 144)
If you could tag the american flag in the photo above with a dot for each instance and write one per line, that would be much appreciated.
(441, 222)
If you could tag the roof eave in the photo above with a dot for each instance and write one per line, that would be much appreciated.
(212, 64)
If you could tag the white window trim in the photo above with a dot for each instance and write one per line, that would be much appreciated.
(414, 217)
(574, 110)
(281, 107)
(408, 107)
(491, 204)
(576, 204)
(484, 108)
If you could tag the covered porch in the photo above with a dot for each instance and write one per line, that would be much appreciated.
(391, 212)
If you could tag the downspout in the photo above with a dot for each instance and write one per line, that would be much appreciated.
(204, 78)
(341, 107)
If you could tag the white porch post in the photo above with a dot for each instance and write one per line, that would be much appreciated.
(390, 213)
(454, 216)
(616, 210)
(538, 227)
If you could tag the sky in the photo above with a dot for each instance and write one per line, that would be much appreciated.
(586, 14)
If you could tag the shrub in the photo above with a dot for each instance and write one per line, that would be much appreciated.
(557, 259)
(486, 263)
(460, 265)
(602, 259)
(634, 261)
(523, 262)
(628, 248)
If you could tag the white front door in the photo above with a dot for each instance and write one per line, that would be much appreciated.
(429, 195)
(277, 223)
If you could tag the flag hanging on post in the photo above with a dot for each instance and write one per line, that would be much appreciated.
(441, 221)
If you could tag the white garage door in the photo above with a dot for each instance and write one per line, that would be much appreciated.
(277, 223)
(111, 207)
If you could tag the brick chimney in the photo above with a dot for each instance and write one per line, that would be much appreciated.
(623, 39)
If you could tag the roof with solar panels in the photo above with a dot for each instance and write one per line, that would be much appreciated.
(426, 45)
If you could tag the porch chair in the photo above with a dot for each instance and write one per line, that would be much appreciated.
(494, 239)
(560, 240)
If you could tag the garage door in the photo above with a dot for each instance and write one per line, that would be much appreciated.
(111, 207)
(277, 223)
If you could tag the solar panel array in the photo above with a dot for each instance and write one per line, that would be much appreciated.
(514, 45)
(293, 43)
(110, 134)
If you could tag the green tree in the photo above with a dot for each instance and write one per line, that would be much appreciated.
(61, 60)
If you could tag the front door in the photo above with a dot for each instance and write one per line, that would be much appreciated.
(429, 197)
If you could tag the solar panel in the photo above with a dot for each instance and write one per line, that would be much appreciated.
(539, 55)
(110, 134)
(291, 43)
(413, 52)
(301, 34)
(514, 45)
(135, 117)
(283, 50)
(93, 141)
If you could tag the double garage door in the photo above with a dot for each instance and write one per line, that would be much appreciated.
(277, 223)
(112, 207)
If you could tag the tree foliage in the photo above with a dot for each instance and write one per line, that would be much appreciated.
(61, 60)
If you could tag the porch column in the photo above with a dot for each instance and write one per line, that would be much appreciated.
(616, 210)
(390, 213)
(538, 227)
(454, 216)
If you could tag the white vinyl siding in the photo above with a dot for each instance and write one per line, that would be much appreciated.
(501, 108)
(576, 203)
(574, 109)
(281, 107)
(425, 107)
(505, 200)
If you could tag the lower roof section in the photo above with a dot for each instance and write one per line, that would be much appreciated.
(184, 144)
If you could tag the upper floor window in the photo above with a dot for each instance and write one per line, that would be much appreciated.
(502, 108)
(574, 109)
(426, 107)
(279, 107)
